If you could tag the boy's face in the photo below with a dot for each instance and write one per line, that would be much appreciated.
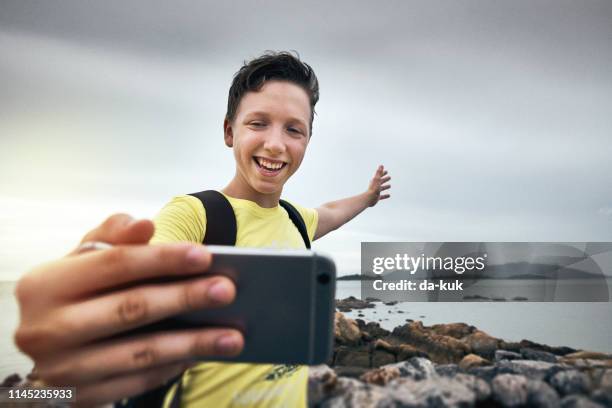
(269, 135)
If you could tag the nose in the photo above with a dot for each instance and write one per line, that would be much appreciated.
(275, 142)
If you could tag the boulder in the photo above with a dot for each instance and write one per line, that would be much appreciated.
(346, 331)
(456, 330)
(473, 360)
(351, 302)
(570, 382)
(482, 344)
(321, 382)
(578, 401)
(354, 393)
(510, 390)
(381, 376)
(506, 355)
(531, 354)
(352, 357)
(541, 395)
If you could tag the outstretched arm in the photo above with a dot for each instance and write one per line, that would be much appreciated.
(334, 214)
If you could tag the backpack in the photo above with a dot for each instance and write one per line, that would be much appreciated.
(221, 229)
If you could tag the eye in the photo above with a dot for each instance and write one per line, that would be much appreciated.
(294, 130)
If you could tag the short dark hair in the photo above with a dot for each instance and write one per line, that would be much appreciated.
(282, 66)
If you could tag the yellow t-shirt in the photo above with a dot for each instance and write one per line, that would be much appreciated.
(229, 384)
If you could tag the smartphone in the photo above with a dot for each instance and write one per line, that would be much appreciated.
(284, 306)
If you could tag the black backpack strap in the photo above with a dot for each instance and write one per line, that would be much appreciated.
(221, 226)
(297, 220)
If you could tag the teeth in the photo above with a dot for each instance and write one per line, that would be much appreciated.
(268, 164)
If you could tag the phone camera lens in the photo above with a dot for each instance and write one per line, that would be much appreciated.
(323, 278)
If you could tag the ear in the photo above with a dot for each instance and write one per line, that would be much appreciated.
(228, 134)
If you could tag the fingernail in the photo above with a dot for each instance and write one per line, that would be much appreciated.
(227, 344)
(198, 256)
(218, 292)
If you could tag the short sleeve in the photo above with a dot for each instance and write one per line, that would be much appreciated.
(310, 217)
(182, 219)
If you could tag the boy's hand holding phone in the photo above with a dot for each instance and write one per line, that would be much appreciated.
(71, 307)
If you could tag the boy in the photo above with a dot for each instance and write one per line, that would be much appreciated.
(268, 125)
(71, 308)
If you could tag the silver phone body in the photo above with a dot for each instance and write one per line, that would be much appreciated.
(284, 306)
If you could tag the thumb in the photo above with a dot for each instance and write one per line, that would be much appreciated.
(121, 229)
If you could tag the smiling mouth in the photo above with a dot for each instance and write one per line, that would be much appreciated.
(271, 166)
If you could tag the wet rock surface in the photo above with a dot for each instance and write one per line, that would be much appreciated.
(456, 365)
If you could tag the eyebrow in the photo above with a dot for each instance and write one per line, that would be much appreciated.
(267, 115)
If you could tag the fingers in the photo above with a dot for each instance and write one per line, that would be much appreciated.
(385, 179)
(385, 187)
(384, 196)
(121, 229)
(117, 312)
(120, 265)
(117, 388)
(97, 362)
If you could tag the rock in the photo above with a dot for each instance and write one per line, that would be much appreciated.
(381, 344)
(441, 349)
(11, 381)
(605, 380)
(586, 362)
(519, 299)
(321, 382)
(506, 355)
(531, 354)
(570, 382)
(350, 371)
(480, 387)
(532, 369)
(510, 390)
(417, 368)
(591, 355)
(456, 330)
(603, 397)
(559, 351)
(372, 299)
(406, 351)
(351, 302)
(381, 376)
(510, 346)
(482, 344)
(352, 357)
(373, 329)
(541, 395)
(346, 331)
(354, 393)
(473, 360)
(390, 303)
(578, 401)
(400, 311)
(437, 392)
(476, 297)
(447, 370)
(381, 358)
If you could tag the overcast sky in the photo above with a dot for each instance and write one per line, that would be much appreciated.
(493, 118)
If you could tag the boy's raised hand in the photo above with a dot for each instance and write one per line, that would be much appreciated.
(378, 184)
(70, 307)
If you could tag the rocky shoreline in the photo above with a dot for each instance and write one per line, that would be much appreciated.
(452, 365)
(447, 365)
